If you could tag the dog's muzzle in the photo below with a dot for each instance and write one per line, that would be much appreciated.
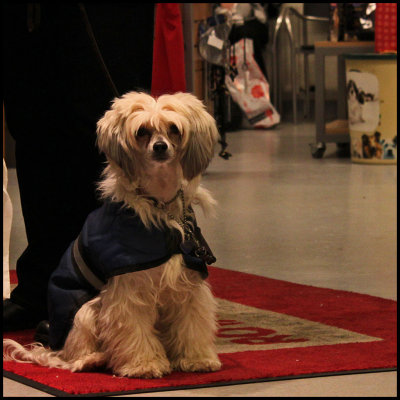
(160, 150)
(160, 147)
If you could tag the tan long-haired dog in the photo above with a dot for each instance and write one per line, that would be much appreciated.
(129, 294)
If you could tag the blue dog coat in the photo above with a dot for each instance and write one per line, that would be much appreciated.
(113, 241)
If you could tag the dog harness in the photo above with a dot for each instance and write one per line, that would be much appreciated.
(113, 241)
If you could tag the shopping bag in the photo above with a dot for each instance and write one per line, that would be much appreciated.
(213, 39)
(248, 86)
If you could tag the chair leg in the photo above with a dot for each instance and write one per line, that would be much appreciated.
(292, 66)
(275, 55)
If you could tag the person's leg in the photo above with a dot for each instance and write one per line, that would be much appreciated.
(55, 91)
(56, 158)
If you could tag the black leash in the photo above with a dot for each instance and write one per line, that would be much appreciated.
(96, 48)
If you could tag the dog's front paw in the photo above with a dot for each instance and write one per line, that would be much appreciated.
(89, 362)
(197, 365)
(150, 369)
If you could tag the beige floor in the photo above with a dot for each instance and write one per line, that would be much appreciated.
(284, 215)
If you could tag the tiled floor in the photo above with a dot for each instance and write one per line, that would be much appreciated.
(284, 215)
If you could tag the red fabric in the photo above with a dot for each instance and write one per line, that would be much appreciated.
(168, 51)
(13, 276)
(360, 313)
(386, 27)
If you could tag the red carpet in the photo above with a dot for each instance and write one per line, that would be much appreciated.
(270, 329)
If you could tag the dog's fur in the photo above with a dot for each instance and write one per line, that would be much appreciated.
(147, 323)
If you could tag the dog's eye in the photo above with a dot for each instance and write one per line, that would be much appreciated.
(174, 130)
(142, 132)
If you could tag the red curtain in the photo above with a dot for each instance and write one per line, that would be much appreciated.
(168, 74)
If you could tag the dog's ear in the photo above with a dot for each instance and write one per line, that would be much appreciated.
(199, 143)
(360, 96)
(111, 140)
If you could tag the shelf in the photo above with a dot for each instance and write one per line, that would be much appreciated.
(345, 44)
(337, 127)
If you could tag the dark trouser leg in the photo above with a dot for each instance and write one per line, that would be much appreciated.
(54, 93)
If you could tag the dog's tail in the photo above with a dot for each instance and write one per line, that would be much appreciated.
(36, 353)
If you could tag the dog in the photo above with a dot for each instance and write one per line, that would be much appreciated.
(355, 100)
(390, 149)
(130, 294)
(372, 146)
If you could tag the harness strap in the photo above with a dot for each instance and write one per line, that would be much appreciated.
(83, 268)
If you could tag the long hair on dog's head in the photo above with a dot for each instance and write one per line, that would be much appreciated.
(134, 112)
(198, 129)
(143, 136)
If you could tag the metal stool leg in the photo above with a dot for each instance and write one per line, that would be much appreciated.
(307, 86)
(293, 67)
(275, 56)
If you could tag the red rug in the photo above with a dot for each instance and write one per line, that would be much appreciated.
(270, 329)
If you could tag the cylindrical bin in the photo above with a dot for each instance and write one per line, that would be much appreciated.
(371, 88)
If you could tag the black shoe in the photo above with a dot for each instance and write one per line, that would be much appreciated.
(42, 333)
(16, 317)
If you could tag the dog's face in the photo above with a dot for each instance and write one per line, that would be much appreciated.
(140, 130)
(353, 94)
(161, 145)
(390, 149)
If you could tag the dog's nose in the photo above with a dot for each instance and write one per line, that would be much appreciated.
(160, 147)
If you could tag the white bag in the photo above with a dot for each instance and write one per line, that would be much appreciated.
(249, 88)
